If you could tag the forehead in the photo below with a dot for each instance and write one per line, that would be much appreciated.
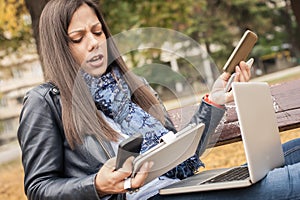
(83, 17)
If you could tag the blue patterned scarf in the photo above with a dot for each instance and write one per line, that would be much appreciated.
(112, 96)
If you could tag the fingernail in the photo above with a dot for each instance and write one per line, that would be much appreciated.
(250, 62)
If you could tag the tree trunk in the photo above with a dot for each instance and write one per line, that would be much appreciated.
(295, 4)
(296, 7)
(35, 9)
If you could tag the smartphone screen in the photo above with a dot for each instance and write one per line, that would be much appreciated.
(129, 147)
(241, 51)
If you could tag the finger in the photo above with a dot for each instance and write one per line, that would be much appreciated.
(242, 74)
(245, 71)
(106, 179)
(125, 171)
(225, 76)
(237, 74)
(110, 164)
(141, 175)
(250, 62)
(127, 166)
(116, 179)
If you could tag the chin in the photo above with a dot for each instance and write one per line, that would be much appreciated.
(98, 72)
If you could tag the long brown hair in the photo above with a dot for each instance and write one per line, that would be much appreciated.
(79, 113)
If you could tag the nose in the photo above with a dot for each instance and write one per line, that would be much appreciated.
(92, 42)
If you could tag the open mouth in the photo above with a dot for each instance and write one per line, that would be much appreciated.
(96, 58)
(96, 61)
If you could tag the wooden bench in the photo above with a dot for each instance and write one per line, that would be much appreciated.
(286, 101)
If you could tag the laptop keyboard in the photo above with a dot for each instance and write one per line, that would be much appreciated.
(234, 174)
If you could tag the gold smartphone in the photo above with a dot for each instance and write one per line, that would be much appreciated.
(241, 51)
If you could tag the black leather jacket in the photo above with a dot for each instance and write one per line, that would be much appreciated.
(52, 169)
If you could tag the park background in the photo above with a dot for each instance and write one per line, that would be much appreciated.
(215, 24)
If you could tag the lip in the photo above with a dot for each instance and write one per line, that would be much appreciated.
(96, 60)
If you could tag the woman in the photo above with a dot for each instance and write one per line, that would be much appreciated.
(70, 125)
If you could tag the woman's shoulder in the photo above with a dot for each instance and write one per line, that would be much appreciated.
(43, 89)
(43, 100)
(41, 93)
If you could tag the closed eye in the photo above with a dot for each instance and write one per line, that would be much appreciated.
(76, 40)
(98, 33)
(76, 36)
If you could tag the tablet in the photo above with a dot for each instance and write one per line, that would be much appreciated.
(173, 150)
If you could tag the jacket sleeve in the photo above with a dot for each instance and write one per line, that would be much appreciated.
(42, 146)
(211, 117)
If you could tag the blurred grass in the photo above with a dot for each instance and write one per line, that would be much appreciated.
(233, 154)
(11, 174)
(11, 181)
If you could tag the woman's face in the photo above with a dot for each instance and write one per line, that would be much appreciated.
(88, 41)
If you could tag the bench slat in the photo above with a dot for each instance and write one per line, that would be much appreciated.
(286, 98)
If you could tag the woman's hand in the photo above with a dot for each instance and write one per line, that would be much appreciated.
(111, 181)
(218, 94)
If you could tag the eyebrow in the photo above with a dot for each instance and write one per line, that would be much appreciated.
(82, 29)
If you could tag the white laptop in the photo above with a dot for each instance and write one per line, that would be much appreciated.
(261, 142)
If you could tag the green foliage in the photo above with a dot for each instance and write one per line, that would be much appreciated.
(15, 24)
(209, 22)
(216, 25)
(212, 23)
